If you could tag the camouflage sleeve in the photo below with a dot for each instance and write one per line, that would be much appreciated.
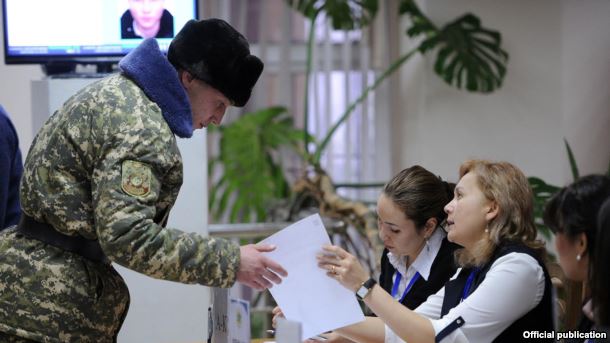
(126, 185)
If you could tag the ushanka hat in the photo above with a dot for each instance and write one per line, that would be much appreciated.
(213, 51)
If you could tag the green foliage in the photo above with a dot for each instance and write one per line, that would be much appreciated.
(544, 191)
(251, 176)
(344, 14)
(573, 166)
(469, 56)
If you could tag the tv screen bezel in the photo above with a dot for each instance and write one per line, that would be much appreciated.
(63, 59)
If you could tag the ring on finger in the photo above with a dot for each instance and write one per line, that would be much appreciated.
(332, 270)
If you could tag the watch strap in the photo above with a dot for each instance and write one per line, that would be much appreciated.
(366, 285)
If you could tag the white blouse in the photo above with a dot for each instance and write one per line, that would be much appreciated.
(513, 286)
(421, 265)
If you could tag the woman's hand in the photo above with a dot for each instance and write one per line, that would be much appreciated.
(342, 266)
(331, 337)
(277, 313)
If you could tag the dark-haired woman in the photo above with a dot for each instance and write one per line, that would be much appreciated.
(572, 214)
(600, 279)
(418, 258)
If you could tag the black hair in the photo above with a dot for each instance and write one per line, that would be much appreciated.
(420, 195)
(599, 278)
(573, 210)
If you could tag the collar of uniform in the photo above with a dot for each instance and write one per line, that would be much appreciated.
(151, 71)
(423, 262)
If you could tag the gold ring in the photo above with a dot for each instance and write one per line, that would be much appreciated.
(333, 270)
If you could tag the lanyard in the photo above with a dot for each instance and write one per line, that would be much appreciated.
(397, 282)
(469, 281)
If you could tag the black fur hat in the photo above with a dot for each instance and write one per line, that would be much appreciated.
(216, 53)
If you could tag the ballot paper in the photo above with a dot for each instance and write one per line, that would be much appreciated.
(307, 295)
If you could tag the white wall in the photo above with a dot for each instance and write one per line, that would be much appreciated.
(15, 95)
(586, 76)
(551, 91)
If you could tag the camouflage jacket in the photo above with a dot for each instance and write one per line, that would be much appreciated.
(106, 166)
(76, 179)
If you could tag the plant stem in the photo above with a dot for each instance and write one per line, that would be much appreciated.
(310, 41)
(395, 65)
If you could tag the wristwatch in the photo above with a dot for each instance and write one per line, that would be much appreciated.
(365, 288)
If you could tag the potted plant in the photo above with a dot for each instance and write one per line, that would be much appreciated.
(468, 56)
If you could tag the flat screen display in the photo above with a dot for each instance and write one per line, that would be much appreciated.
(88, 31)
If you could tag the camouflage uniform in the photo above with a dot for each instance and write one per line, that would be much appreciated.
(105, 166)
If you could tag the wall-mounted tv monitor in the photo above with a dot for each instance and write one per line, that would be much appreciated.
(69, 32)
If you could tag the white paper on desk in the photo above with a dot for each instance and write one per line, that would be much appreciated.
(307, 294)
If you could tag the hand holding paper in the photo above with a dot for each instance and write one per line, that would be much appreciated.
(307, 295)
(257, 270)
(342, 266)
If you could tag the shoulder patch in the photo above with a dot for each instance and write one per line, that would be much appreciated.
(135, 178)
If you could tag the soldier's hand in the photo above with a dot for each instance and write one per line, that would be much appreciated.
(256, 270)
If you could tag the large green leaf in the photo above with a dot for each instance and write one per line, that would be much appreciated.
(251, 173)
(573, 165)
(344, 14)
(542, 193)
(469, 55)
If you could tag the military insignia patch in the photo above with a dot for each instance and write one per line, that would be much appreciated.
(135, 179)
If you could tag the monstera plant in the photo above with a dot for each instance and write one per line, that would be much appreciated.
(251, 174)
(468, 56)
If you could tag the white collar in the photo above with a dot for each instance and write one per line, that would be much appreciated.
(423, 262)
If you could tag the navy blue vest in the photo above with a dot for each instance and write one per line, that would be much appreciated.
(540, 318)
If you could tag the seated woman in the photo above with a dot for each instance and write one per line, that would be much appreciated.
(600, 279)
(572, 214)
(502, 289)
(417, 259)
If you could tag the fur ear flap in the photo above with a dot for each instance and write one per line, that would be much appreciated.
(216, 53)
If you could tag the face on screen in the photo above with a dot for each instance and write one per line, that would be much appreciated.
(146, 14)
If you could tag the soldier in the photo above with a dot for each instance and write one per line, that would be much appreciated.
(98, 184)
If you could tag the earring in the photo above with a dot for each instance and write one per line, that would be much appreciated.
(578, 257)
(427, 245)
(486, 230)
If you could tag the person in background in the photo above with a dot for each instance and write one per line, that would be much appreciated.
(100, 180)
(11, 169)
(600, 278)
(502, 288)
(417, 259)
(572, 215)
(147, 19)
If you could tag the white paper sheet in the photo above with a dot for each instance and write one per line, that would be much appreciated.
(307, 294)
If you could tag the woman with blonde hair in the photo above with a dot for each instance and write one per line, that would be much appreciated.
(501, 293)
